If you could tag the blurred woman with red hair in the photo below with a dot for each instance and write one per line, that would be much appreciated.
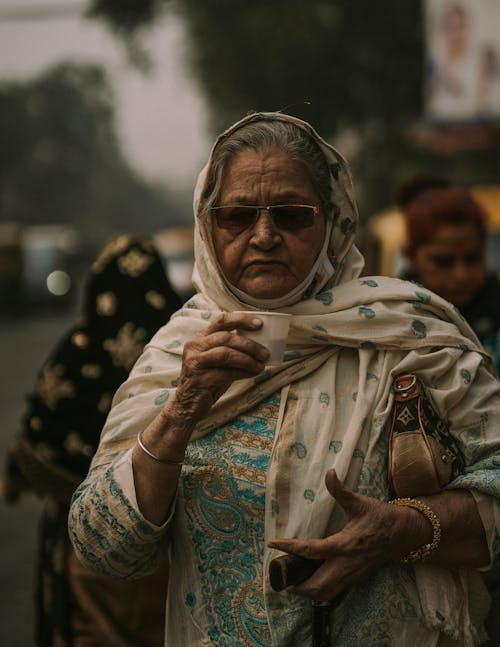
(446, 252)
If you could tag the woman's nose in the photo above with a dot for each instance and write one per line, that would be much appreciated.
(264, 232)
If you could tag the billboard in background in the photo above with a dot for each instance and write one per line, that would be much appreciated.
(462, 80)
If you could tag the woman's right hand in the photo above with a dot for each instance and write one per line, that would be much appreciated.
(211, 362)
(214, 359)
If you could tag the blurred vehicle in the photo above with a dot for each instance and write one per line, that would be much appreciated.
(384, 236)
(37, 265)
(176, 247)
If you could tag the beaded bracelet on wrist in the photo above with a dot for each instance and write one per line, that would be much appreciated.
(423, 553)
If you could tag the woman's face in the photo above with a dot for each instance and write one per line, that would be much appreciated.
(452, 264)
(265, 261)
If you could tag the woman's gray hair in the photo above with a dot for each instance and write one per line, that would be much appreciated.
(270, 134)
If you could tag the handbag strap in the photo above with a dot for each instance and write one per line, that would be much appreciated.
(413, 410)
(407, 394)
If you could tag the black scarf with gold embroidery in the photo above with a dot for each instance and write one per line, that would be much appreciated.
(127, 298)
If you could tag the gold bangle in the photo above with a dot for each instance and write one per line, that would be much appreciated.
(422, 553)
(165, 461)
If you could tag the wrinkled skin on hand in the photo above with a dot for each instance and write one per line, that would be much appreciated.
(371, 537)
(214, 359)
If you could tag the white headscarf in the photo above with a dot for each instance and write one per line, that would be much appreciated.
(368, 314)
(338, 260)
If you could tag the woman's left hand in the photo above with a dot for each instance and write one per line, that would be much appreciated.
(375, 533)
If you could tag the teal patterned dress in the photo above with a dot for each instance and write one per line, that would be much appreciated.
(221, 499)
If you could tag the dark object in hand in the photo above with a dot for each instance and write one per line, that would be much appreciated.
(288, 570)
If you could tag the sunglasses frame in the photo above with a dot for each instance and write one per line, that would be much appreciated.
(269, 208)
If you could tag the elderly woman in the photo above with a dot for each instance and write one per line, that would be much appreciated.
(227, 462)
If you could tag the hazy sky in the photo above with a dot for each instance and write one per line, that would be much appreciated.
(161, 118)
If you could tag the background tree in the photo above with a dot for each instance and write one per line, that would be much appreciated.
(60, 160)
(336, 55)
(359, 64)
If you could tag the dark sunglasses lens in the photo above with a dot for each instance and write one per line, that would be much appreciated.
(235, 219)
(292, 217)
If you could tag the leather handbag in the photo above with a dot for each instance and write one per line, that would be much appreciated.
(423, 456)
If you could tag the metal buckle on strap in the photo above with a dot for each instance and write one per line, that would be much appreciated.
(402, 386)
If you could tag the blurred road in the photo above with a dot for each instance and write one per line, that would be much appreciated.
(25, 342)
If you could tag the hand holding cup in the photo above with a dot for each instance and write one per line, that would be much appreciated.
(272, 335)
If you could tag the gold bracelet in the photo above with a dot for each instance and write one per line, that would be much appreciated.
(165, 461)
(422, 553)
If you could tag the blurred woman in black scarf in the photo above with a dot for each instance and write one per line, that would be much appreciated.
(127, 298)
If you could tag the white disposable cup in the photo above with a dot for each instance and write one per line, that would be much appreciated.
(272, 335)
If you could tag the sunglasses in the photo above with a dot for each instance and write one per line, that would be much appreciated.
(446, 261)
(237, 218)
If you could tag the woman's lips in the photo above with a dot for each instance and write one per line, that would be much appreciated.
(265, 262)
(256, 267)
